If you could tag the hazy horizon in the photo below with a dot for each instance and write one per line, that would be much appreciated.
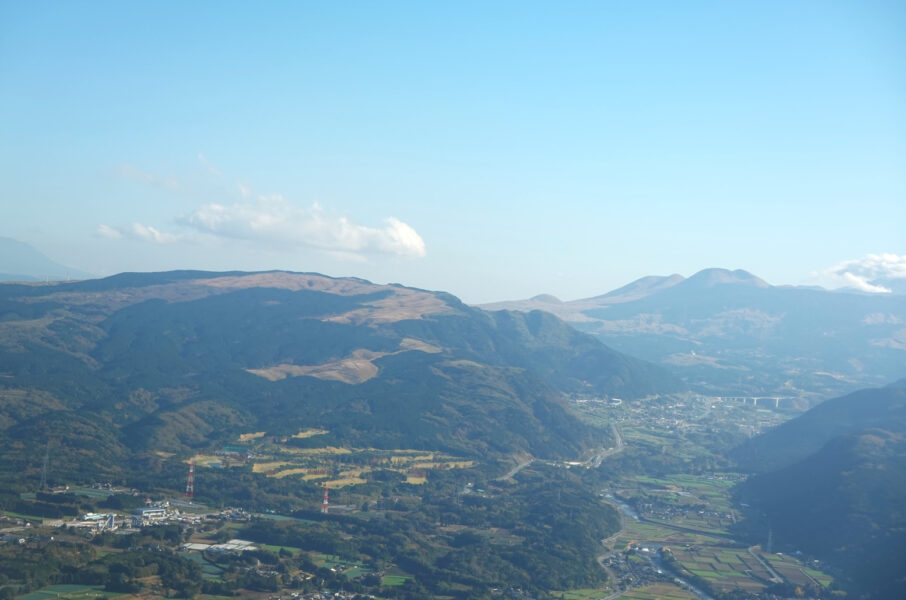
(496, 152)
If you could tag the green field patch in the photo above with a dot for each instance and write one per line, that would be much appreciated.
(728, 556)
(91, 492)
(394, 580)
(658, 591)
(706, 574)
(292, 549)
(24, 516)
(355, 572)
(273, 517)
(822, 578)
(70, 592)
(583, 594)
(348, 568)
(326, 560)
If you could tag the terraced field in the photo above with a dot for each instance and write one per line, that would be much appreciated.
(335, 467)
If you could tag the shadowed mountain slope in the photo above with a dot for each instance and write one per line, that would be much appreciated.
(835, 486)
(166, 362)
(801, 437)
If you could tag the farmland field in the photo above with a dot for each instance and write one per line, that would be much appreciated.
(658, 591)
(69, 592)
(691, 517)
(334, 466)
(585, 594)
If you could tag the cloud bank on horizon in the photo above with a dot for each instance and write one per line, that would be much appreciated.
(269, 221)
(873, 273)
(274, 220)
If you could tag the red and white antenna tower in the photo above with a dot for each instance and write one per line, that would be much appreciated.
(324, 506)
(190, 481)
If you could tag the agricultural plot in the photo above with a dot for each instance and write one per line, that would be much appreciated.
(712, 490)
(333, 466)
(658, 591)
(701, 505)
(395, 577)
(349, 568)
(584, 594)
(725, 569)
(70, 592)
(796, 572)
(638, 533)
(91, 493)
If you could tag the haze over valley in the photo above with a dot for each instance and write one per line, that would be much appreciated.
(454, 301)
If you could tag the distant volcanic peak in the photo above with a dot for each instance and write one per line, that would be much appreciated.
(547, 299)
(644, 286)
(652, 282)
(21, 262)
(715, 276)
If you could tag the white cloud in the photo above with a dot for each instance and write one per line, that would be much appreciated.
(108, 232)
(274, 220)
(136, 231)
(268, 220)
(871, 273)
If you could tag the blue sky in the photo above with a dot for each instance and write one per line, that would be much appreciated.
(494, 150)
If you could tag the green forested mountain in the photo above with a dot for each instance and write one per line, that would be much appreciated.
(801, 437)
(834, 485)
(103, 371)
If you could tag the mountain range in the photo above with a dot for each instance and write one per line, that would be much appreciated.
(731, 333)
(144, 363)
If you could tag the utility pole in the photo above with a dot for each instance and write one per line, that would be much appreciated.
(44, 467)
(190, 482)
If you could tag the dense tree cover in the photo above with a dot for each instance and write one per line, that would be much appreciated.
(135, 373)
(832, 483)
(803, 436)
(23, 570)
(541, 534)
(846, 503)
(141, 363)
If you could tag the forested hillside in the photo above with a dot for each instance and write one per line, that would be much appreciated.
(107, 371)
